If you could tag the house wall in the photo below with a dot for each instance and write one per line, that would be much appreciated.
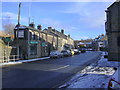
(113, 31)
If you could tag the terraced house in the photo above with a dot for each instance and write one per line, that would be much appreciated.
(33, 43)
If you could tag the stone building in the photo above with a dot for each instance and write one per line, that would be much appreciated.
(113, 31)
(100, 43)
(59, 40)
(30, 42)
(83, 43)
(5, 46)
(34, 43)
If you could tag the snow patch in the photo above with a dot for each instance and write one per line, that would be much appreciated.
(95, 75)
(98, 70)
(91, 81)
(22, 61)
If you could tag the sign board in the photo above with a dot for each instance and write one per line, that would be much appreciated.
(33, 42)
(7, 39)
(43, 44)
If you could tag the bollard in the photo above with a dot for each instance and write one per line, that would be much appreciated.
(3, 60)
(8, 59)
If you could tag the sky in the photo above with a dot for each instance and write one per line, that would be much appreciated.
(82, 20)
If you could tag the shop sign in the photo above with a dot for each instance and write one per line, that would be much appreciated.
(33, 42)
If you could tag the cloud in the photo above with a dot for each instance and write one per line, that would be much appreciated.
(75, 32)
(51, 22)
(79, 37)
(12, 17)
(6, 15)
(58, 25)
(90, 14)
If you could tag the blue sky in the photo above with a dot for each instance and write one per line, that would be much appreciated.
(81, 20)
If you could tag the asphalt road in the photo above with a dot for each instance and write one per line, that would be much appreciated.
(50, 73)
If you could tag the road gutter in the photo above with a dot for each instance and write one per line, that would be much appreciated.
(22, 61)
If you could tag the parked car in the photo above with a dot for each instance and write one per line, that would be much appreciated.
(66, 53)
(114, 82)
(83, 50)
(56, 54)
(89, 49)
(76, 51)
(72, 52)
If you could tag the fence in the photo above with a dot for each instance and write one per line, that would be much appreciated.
(11, 58)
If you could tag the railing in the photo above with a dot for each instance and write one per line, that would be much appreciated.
(11, 58)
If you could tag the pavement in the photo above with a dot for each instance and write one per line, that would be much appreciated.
(48, 73)
(23, 61)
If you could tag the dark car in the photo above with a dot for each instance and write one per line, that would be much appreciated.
(83, 50)
(66, 53)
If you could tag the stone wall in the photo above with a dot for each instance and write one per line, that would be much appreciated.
(113, 31)
(5, 50)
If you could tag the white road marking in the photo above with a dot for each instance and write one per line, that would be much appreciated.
(60, 68)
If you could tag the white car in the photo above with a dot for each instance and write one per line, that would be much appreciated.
(56, 54)
(76, 51)
(114, 82)
(66, 53)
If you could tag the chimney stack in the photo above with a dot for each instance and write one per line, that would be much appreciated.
(53, 30)
(68, 35)
(39, 27)
(32, 25)
(62, 31)
(49, 28)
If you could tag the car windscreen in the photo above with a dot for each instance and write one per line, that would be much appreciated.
(53, 52)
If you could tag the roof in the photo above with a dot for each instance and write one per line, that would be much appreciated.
(28, 27)
(113, 4)
(56, 33)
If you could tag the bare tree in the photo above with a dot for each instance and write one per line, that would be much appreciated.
(8, 26)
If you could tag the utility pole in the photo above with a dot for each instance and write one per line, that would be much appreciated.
(29, 13)
(18, 28)
(19, 14)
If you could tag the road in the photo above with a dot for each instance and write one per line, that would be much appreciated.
(50, 73)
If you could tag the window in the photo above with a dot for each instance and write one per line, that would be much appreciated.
(38, 36)
(118, 41)
(33, 49)
(21, 33)
(32, 35)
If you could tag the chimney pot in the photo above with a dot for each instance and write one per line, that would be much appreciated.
(39, 27)
(50, 28)
(62, 31)
(32, 25)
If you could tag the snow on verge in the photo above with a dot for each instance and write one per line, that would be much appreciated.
(96, 75)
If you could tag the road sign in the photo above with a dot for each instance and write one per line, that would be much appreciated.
(43, 44)
(33, 42)
(7, 39)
